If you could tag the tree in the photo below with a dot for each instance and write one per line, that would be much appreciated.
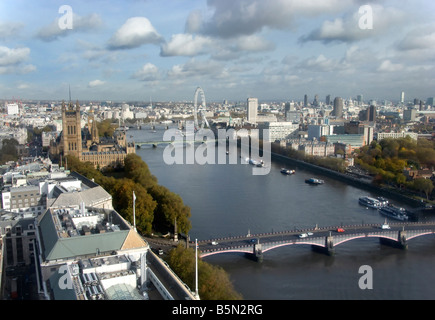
(170, 207)
(214, 283)
(9, 150)
(424, 185)
(123, 204)
(137, 170)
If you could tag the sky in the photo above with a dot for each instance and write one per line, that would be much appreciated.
(162, 50)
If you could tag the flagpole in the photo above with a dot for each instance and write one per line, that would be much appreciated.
(134, 211)
(196, 269)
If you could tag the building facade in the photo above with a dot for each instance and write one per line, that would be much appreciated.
(85, 143)
(252, 108)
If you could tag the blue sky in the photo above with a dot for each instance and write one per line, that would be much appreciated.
(234, 49)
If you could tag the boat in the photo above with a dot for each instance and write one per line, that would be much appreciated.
(287, 171)
(370, 202)
(314, 181)
(383, 201)
(394, 212)
(260, 164)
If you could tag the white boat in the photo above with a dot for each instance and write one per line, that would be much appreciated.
(370, 202)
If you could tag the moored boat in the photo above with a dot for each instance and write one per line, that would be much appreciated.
(394, 212)
(370, 202)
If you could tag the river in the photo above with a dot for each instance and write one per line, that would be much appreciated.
(228, 200)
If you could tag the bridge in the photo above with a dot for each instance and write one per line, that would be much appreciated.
(320, 239)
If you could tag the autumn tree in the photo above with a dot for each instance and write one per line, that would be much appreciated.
(213, 282)
(137, 170)
(170, 208)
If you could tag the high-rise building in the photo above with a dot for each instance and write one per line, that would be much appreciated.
(328, 100)
(316, 100)
(371, 113)
(359, 99)
(402, 97)
(338, 107)
(305, 101)
(252, 110)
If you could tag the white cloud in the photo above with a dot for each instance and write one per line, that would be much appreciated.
(186, 45)
(133, 33)
(419, 39)
(52, 31)
(198, 69)
(13, 56)
(9, 29)
(388, 66)
(148, 72)
(320, 64)
(95, 83)
(246, 17)
(347, 28)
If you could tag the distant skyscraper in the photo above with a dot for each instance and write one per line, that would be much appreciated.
(252, 110)
(338, 107)
(430, 101)
(316, 100)
(371, 113)
(359, 99)
(328, 100)
(402, 97)
(305, 101)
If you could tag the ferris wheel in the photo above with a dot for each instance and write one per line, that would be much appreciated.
(200, 110)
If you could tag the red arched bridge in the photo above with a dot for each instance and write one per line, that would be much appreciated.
(321, 239)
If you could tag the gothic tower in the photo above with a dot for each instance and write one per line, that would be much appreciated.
(71, 130)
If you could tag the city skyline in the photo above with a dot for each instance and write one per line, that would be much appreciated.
(162, 50)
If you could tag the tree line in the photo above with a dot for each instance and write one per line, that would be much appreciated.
(387, 159)
(156, 207)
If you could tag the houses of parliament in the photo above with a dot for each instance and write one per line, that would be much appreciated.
(85, 143)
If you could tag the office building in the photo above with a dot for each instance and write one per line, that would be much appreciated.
(338, 108)
(252, 108)
(279, 130)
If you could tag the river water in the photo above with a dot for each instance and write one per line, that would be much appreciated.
(228, 200)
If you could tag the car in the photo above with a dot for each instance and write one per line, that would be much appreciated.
(214, 243)
(340, 230)
(385, 226)
(310, 233)
(303, 235)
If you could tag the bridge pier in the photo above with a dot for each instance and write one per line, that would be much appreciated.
(400, 243)
(328, 248)
(257, 254)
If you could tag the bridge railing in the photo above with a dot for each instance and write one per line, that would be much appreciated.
(317, 229)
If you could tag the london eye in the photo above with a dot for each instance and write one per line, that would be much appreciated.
(199, 110)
